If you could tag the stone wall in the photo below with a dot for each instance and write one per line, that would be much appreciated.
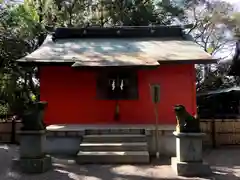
(166, 142)
(63, 142)
(67, 142)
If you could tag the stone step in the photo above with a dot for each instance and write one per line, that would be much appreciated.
(113, 157)
(132, 146)
(114, 131)
(114, 138)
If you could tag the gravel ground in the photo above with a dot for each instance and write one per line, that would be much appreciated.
(224, 162)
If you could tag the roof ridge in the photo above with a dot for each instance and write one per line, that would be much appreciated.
(119, 32)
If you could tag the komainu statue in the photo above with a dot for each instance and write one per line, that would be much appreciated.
(185, 121)
(32, 120)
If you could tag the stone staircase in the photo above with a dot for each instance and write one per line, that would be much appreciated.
(113, 146)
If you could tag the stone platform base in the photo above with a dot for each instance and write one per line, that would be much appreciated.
(40, 165)
(191, 169)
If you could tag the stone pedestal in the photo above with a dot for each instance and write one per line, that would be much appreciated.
(32, 144)
(32, 155)
(189, 161)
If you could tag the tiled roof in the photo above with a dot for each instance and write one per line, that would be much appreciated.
(129, 46)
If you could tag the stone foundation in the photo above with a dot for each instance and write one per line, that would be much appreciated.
(63, 142)
(166, 144)
(190, 169)
(71, 136)
(31, 165)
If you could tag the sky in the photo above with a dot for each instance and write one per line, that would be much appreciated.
(232, 1)
(235, 2)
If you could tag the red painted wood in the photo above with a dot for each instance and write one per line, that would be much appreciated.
(71, 95)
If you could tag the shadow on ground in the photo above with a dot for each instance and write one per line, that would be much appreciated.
(224, 162)
(224, 175)
(66, 169)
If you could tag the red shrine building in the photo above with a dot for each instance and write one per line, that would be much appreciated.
(105, 75)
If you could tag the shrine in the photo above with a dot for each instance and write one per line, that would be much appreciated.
(101, 78)
(84, 72)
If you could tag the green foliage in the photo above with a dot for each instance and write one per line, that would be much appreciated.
(4, 110)
(210, 50)
(233, 22)
(19, 32)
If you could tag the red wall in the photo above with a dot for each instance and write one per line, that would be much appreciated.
(71, 95)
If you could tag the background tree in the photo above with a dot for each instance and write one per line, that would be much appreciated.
(213, 29)
(19, 32)
(23, 28)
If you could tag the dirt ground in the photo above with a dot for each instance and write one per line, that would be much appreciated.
(225, 163)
